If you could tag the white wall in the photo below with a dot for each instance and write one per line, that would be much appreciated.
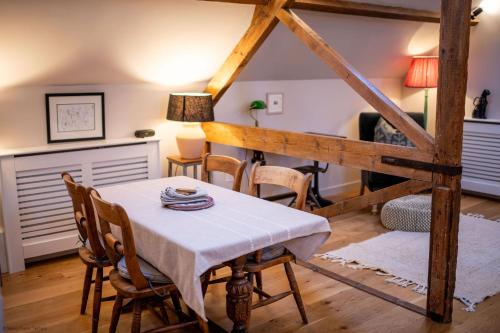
(484, 60)
(484, 66)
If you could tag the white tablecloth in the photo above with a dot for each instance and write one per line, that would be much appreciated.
(184, 245)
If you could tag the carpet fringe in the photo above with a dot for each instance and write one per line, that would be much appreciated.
(481, 216)
(399, 281)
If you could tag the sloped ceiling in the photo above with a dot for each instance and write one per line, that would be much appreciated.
(174, 42)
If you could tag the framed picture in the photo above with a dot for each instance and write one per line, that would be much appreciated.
(75, 117)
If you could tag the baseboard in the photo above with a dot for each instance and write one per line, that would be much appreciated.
(3, 253)
(340, 188)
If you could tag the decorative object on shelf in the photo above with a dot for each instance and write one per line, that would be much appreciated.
(191, 109)
(423, 73)
(475, 13)
(254, 107)
(480, 105)
(75, 117)
(145, 133)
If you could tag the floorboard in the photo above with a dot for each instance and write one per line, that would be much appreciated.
(46, 297)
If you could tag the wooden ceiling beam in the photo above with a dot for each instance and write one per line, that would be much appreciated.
(263, 23)
(358, 9)
(350, 153)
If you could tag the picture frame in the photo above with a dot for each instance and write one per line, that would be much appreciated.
(75, 117)
(274, 103)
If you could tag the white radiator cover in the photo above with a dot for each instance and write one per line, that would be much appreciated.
(37, 211)
(481, 156)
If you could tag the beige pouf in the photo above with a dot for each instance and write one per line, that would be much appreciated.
(410, 213)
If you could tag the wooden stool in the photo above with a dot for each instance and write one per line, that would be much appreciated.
(185, 164)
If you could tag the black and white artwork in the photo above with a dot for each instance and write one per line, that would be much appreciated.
(75, 117)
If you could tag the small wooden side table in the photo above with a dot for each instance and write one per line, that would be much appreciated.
(185, 164)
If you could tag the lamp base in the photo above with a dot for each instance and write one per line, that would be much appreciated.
(190, 140)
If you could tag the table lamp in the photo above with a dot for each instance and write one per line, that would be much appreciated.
(190, 109)
(423, 73)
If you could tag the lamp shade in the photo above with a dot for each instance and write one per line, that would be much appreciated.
(190, 107)
(423, 73)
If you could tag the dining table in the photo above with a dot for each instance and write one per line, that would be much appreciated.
(184, 245)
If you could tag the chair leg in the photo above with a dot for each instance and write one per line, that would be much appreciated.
(205, 281)
(203, 325)
(258, 279)
(177, 304)
(115, 316)
(97, 299)
(296, 293)
(251, 277)
(136, 321)
(86, 288)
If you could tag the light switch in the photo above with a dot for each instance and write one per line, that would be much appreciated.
(274, 103)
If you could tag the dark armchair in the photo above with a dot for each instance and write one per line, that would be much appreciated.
(374, 180)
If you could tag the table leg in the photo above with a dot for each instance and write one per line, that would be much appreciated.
(239, 296)
(169, 169)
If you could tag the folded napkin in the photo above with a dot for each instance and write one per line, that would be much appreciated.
(174, 200)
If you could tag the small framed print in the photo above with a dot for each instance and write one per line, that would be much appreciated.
(75, 117)
(274, 103)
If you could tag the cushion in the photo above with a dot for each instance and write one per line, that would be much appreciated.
(150, 273)
(385, 133)
(409, 213)
(270, 252)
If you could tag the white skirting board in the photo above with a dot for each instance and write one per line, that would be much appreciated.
(340, 188)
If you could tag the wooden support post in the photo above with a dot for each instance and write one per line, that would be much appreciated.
(452, 87)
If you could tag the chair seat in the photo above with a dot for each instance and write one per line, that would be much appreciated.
(150, 273)
(126, 288)
(88, 258)
(269, 253)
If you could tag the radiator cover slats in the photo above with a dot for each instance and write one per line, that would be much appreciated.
(481, 157)
(39, 210)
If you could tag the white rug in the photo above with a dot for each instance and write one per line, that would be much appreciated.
(405, 255)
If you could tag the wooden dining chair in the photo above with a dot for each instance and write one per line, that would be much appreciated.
(277, 254)
(92, 253)
(229, 166)
(133, 277)
(225, 164)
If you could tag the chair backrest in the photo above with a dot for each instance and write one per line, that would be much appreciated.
(84, 216)
(368, 121)
(107, 213)
(225, 164)
(276, 175)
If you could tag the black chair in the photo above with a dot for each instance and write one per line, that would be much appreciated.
(374, 180)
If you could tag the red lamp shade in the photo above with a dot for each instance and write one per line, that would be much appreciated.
(423, 73)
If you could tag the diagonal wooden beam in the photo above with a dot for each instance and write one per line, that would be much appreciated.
(362, 86)
(373, 198)
(351, 153)
(263, 23)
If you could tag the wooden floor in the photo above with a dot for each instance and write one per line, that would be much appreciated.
(46, 297)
